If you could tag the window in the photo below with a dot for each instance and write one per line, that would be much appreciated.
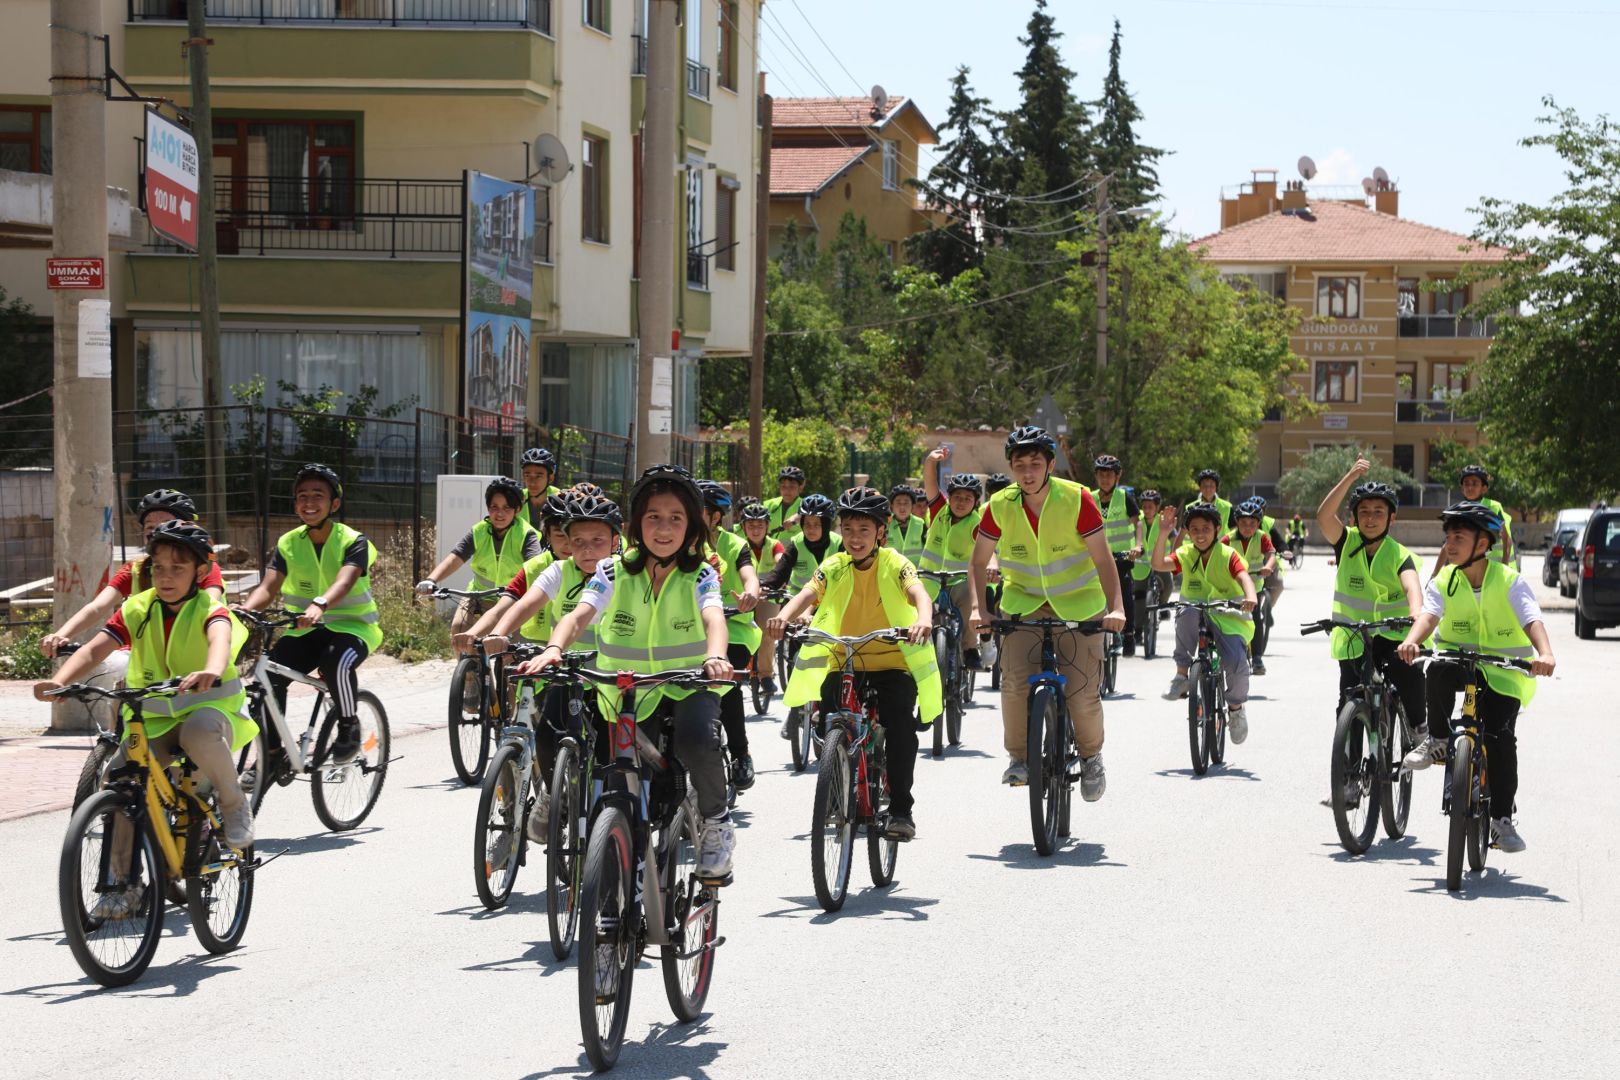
(1405, 458)
(694, 31)
(595, 14)
(725, 225)
(1272, 283)
(1451, 301)
(1336, 380)
(1338, 297)
(888, 251)
(25, 138)
(1447, 379)
(1406, 297)
(286, 167)
(891, 164)
(1406, 381)
(726, 52)
(697, 264)
(594, 190)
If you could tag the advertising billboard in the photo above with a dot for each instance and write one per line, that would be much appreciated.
(170, 180)
(498, 282)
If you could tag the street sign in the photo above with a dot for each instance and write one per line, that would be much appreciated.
(1335, 421)
(75, 274)
(170, 180)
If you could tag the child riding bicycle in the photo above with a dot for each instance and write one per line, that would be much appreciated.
(1251, 542)
(496, 547)
(739, 583)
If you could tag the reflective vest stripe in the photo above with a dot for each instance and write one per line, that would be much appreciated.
(184, 703)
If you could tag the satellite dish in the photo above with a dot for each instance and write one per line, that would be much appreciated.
(880, 101)
(1307, 168)
(1380, 175)
(551, 158)
(1368, 185)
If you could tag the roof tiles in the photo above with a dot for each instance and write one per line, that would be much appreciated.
(829, 112)
(1340, 232)
(805, 170)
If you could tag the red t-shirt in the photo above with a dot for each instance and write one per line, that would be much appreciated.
(761, 557)
(1266, 546)
(1089, 521)
(120, 632)
(1237, 565)
(124, 579)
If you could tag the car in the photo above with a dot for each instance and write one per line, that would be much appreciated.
(1561, 539)
(1573, 518)
(1597, 593)
(1569, 566)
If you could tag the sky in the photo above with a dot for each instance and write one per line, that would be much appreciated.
(1438, 92)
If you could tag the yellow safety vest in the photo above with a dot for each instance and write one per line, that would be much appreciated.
(1202, 582)
(1367, 589)
(309, 577)
(1119, 529)
(647, 634)
(740, 629)
(538, 628)
(491, 568)
(949, 549)
(152, 659)
(1486, 624)
(1053, 567)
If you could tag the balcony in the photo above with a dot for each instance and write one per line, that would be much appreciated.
(520, 14)
(638, 54)
(1437, 411)
(1446, 326)
(697, 269)
(697, 80)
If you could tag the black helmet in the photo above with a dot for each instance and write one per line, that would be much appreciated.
(818, 506)
(1248, 508)
(715, 495)
(504, 485)
(746, 500)
(1258, 500)
(1202, 510)
(1151, 495)
(672, 479)
(1030, 437)
(1209, 474)
(1476, 515)
(1108, 461)
(965, 482)
(557, 508)
(539, 455)
(756, 511)
(315, 471)
(1475, 470)
(864, 502)
(995, 482)
(790, 472)
(188, 534)
(902, 489)
(585, 487)
(594, 508)
(169, 500)
(1372, 489)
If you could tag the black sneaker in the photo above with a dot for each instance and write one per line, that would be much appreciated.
(742, 773)
(900, 827)
(1258, 667)
(1130, 644)
(970, 657)
(346, 746)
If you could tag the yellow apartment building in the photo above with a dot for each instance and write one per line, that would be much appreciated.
(832, 155)
(1386, 351)
(341, 130)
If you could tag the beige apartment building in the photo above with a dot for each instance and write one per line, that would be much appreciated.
(341, 130)
(1387, 352)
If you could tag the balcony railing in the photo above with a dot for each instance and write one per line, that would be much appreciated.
(520, 14)
(638, 54)
(1438, 411)
(1445, 326)
(697, 80)
(697, 269)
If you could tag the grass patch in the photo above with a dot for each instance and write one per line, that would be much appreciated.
(412, 629)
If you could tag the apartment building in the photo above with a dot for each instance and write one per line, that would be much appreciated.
(341, 132)
(1388, 351)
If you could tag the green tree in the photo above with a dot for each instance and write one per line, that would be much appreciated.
(957, 183)
(1307, 484)
(1135, 180)
(812, 444)
(1047, 136)
(1515, 482)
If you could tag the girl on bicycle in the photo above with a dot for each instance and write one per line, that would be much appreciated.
(657, 608)
(765, 551)
(739, 583)
(537, 468)
(497, 547)
(1249, 540)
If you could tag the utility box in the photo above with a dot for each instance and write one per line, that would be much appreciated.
(458, 507)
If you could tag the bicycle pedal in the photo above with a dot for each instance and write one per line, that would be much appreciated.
(716, 882)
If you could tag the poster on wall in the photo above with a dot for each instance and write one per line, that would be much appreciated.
(498, 283)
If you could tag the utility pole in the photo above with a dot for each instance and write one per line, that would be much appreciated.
(202, 129)
(756, 373)
(1099, 399)
(82, 469)
(655, 307)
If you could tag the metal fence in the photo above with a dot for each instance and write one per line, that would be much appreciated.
(709, 459)
(883, 468)
(27, 500)
(520, 14)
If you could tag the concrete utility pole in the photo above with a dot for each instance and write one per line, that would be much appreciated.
(202, 129)
(1099, 399)
(755, 479)
(82, 532)
(655, 308)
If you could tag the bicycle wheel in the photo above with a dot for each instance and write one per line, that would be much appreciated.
(1150, 621)
(1353, 772)
(607, 959)
(220, 895)
(798, 720)
(563, 850)
(345, 794)
(1045, 762)
(93, 772)
(881, 853)
(498, 831)
(1197, 729)
(252, 769)
(1479, 816)
(832, 824)
(1065, 792)
(693, 914)
(1215, 718)
(111, 949)
(1461, 809)
(762, 699)
(1262, 623)
(943, 649)
(469, 734)
(1395, 800)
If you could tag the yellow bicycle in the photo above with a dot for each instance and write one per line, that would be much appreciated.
(111, 880)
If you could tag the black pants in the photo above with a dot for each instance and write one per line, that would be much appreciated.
(732, 705)
(1123, 564)
(896, 706)
(696, 743)
(1406, 679)
(1498, 716)
(556, 722)
(335, 655)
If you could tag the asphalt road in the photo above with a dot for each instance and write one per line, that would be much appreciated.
(1206, 927)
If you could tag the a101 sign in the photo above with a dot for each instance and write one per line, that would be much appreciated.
(170, 181)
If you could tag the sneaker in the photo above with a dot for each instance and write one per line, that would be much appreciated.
(1130, 644)
(1237, 723)
(1430, 751)
(900, 827)
(714, 851)
(540, 818)
(972, 659)
(1017, 774)
(742, 773)
(768, 686)
(346, 746)
(1093, 778)
(987, 652)
(238, 825)
(118, 904)
(1178, 689)
(790, 726)
(1257, 666)
(1505, 836)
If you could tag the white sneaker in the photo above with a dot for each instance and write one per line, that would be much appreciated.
(1237, 723)
(1505, 836)
(1429, 751)
(118, 904)
(715, 849)
(1017, 774)
(540, 817)
(1178, 689)
(1093, 777)
(238, 825)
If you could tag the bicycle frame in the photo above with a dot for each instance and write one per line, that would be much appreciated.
(853, 716)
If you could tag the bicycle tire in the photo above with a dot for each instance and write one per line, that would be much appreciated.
(1043, 784)
(832, 820)
(1065, 798)
(947, 676)
(1395, 802)
(1461, 766)
(762, 697)
(251, 766)
(1197, 731)
(84, 933)
(608, 889)
(564, 850)
(798, 719)
(227, 892)
(93, 772)
(503, 803)
(1215, 718)
(370, 769)
(881, 852)
(469, 733)
(693, 916)
(1479, 832)
(1355, 761)
(1262, 624)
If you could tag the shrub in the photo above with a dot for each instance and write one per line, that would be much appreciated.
(412, 629)
(814, 445)
(20, 657)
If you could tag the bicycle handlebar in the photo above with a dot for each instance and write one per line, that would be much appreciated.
(1087, 626)
(443, 593)
(1322, 626)
(944, 577)
(892, 634)
(1469, 658)
(267, 620)
(166, 688)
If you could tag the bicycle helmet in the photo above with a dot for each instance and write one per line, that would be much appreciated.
(1248, 508)
(556, 509)
(965, 482)
(756, 511)
(995, 482)
(1475, 470)
(1108, 461)
(1202, 510)
(594, 508)
(323, 473)
(168, 500)
(1151, 495)
(902, 489)
(585, 487)
(1258, 500)
(185, 534)
(864, 502)
(818, 506)
(539, 455)
(1477, 516)
(670, 479)
(1030, 437)
(1209, 474)
(504, 485)
(745, 501)
(790, 472)
(1372, 489)
(715, 495)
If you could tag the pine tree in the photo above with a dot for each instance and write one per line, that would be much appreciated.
(956, 185)
(1048, 135)
(1135, 180)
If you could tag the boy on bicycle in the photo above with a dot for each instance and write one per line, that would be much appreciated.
(1296, 532)
(321, 570)
(867, 587)
(1475, 483)
(785, 507)
(1150, 502)
(1046, 534)
(1122, 525)
(1259, 556)
(951, 538)
(1209, 491)
(538, 471)
(497, 547)
(765, 551)
(1482, 605)
(907, 530)
(739, 582)
(1210, 570)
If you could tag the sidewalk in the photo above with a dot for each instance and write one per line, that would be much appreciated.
(38, 770)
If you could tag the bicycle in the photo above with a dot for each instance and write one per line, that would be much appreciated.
(1052, 767)
(344, 795)
(93, 773)
(1295, 553)
(1262, 617)
(475, 707)
(1113, 649)
(1206, 689)
(1466, 797)
(1366, 774)
(640, 886)
(1147, 630)
(956, 679)
(167, 812)
(843, 806)
(803, 728)
(762, 698)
